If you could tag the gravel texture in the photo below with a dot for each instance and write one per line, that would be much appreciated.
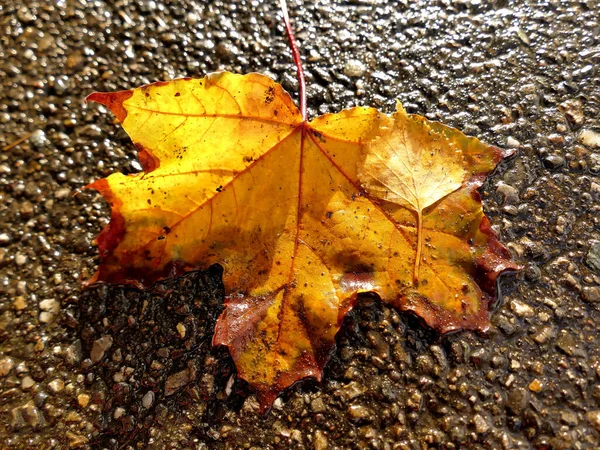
(115, 368)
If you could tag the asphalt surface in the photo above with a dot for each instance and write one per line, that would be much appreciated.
(108, 368)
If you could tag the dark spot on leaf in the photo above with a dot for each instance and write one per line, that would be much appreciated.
(269, 95)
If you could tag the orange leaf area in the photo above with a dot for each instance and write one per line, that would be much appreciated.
(303, 216)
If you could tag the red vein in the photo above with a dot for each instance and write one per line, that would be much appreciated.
(162, 139)
(335, 138)
(297, 237)
(419, 247)
(210, 199)
(223, 116)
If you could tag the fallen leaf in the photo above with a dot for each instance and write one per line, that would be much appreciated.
(303, 216)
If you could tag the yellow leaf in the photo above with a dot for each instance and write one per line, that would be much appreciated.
(302, 216)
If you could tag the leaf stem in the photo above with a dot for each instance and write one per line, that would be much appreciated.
(296, 56)
(419, 247)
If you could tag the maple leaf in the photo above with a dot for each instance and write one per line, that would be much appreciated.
(302, 216)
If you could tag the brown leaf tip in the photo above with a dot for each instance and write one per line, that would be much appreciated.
(113, 101)
(501, 153)
(443, 320)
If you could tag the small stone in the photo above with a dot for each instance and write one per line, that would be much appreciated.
(481, 424)
(314, 55)
(6, 365)
(178, 380)
(83, 400)
(567, 343)
(511, 142)
(251, 404)
(61, 85)
(75, 59)
(543, 334)
(20, 259)
(317, 405)
(593, 257)
(595, 163)
(192, 18)
(573, 110)
(557, 139)
(593, 418)
(228, 386)
(226, 50)
(590, 138)
(569, 417)
(38, 139)
(50, 305)
(360, 412)
(27, 209)
(354, 68)
(521, 309)
(25, 15)
(297, 436)
(509, 194)
(47, 317)
(100, 347)
(73, 354)
(517, 400)
(5, 239)
(73, 416)
(591, 294)
(353, 390)
(39, 346)
(280, 429)
(27, 383)
(32, 415)
(50, 308)
(523, 36)
(554, 161)
(57, 385)
(16, 419)
(119, 412)
(91, 131)
(535, 386)
(148, 399)
(414, 399)
(181, 330)
(20, 303)
(62, 193)
(320, 440)
(76, 440)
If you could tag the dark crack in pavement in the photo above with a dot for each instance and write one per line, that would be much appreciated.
(115, 368)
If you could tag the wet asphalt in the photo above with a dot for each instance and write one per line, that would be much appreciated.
(108, 368)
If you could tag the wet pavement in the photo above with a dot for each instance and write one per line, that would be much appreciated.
(111, 367)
